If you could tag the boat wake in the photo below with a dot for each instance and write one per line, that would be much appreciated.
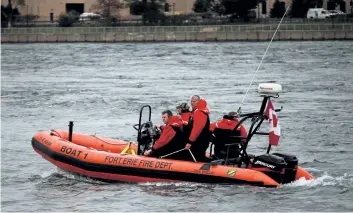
(325, 179)
(173, 189)
(176, 184)
(54, 174)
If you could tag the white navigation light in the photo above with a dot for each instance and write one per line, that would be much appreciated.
(269, 89)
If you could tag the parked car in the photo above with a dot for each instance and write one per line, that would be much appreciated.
(336, 12)
(318, 13)
(88, 17)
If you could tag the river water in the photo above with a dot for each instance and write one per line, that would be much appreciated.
(101, 87)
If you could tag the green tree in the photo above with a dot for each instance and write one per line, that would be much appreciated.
(332, 4)
(151, 11)
(67, 19)
(202, 6)
(20, 3)
(9, 14)
(319, 3)
(154, 11)
(108, 8)
(217, 7)
(300, 8)
(137, 7)
(166, 7)
(239, 7)
(278, 9)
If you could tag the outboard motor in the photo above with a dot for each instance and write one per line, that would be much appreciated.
(291, 168)
(272, 165)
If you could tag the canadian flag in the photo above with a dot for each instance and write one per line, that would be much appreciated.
(275, 131)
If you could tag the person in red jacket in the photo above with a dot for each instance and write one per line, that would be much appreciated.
(171, 138)
(222, 131)
(184, 112)
(229, 122)
(199, 128)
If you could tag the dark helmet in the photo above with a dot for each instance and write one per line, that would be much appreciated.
(184, 107)
(231, 115)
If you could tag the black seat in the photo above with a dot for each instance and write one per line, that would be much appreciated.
(226, 141)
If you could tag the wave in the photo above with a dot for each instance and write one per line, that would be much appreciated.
(44, 175)
(175, 184)
(324, 180)
(56, 174)
(173, 189)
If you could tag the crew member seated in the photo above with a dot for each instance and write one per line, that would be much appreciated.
(223, 131)
(184, 112)
(171, 138)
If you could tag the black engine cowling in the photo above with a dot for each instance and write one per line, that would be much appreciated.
(149, 134)
(291, 168)
(272, 165)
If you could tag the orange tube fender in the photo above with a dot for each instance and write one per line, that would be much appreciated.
(303, 173)
(96, 142)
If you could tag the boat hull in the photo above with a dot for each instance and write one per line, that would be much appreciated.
(83, 157)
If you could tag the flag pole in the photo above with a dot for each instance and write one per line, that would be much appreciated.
(268, 148)
(269, 144)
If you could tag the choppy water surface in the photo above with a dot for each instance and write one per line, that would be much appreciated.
(101, 87)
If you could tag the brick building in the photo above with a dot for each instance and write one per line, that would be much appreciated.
(43, 8)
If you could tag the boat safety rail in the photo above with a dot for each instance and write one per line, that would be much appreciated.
(117, 144)
(241, 137)
(244, 154)
(228, 148)
(253, 114)
(193, 157)
(172, 153)
(301, 27)
(52, 131)
(140, 125)
(257, 119)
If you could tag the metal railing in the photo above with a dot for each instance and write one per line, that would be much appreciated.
(186, 20)
(196, 28)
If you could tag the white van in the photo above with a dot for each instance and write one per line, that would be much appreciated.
(318, 13)
(87, 17)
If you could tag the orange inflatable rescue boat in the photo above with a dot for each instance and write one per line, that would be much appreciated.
(115, 160)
